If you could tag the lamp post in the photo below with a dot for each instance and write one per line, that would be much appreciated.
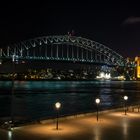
(57, 106)
(125, 100)
(14, 60)
(97, 100)
(12, 98)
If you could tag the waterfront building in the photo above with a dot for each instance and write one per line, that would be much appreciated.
(137, 62)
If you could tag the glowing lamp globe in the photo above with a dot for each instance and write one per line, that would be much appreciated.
(57, 105)
(125, 98)
(97, 101)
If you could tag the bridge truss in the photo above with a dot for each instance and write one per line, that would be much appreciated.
(63, 48)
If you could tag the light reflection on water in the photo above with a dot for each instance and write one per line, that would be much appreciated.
(9, 135)
(35, 99)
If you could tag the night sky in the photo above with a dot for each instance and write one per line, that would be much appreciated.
(116, 25)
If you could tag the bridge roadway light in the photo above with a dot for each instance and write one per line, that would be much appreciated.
(97, 101)
(125, 101)
(57, 106)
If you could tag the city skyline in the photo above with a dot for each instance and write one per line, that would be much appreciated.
(114, 25)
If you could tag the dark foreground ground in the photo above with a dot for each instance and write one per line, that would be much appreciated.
(112, 125)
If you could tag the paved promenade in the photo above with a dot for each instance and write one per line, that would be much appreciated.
(112, 125)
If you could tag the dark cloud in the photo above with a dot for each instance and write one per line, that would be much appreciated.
(131, 20)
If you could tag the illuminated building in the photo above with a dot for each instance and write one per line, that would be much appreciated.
(137, 61)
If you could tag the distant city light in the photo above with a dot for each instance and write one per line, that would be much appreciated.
(102, 75)
(59, 78)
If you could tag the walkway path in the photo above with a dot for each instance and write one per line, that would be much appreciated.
(111, 126)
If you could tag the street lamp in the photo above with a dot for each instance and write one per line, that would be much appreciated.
(12, 98)
(57, 106)
(97, 100)
(125, 100)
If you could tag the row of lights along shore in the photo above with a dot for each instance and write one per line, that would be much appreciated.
(97, 101)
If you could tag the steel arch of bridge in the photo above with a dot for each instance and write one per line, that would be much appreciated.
(64, 48)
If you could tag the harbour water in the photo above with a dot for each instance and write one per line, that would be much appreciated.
(35, 99)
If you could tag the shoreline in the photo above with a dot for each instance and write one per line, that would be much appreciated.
(49, 80)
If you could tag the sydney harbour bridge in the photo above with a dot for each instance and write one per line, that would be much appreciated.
(63, 48)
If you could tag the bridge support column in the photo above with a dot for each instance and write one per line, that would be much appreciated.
(62, 51)
(51, 50)
(46, 51)
(14, 51)
(8, 51)
(90, 55)
(27, 52)
(77, 52)
(82, 53)
(40, 51)
(0, 52)
(87, 54)
(72, 53)
(33, 52)
(67, 51)
(21, 52)
(57, 52)
(96, 56)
